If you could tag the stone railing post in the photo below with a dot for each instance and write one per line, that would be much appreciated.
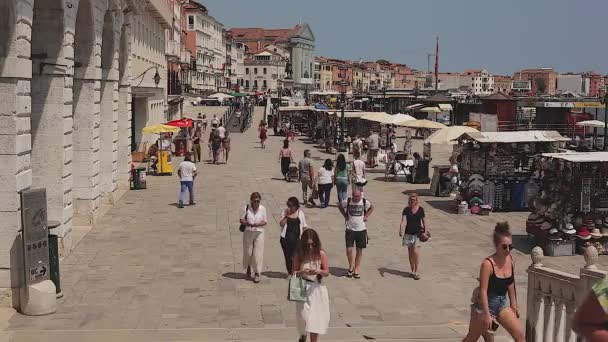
(535, 300)
(590, 274)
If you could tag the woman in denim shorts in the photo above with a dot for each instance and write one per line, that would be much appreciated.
(497, 281)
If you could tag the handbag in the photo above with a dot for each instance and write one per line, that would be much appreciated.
(297, 289)
(424, 235)
(243, 226)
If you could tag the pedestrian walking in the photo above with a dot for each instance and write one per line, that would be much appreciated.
(204, 119)
(306, 175)
(254, 218)
(312, 264)
(591, 317)
(325, 182)
(186, 171)
(227, 141)
(497, 281)
(293, 223)
(358, 174)
(263, 133)
(238, 116)
(196, 145)
(285, 158)
(357, 147)
(341, 177)
(356, 211)
(214, 121)
(413, 222)
(373, 145)
(216, 144)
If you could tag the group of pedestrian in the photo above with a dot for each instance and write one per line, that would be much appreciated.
(219, 143)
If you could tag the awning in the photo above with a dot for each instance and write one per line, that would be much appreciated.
(515, 137)
(445, 106)
(579, 157)
(415, 106)
(295, 108)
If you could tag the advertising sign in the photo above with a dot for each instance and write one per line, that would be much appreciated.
(35, 236)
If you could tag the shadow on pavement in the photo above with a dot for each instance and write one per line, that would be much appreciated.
(522, 243)
(338, 271)
(384, 270)
(420, 192)
(275, 275)
(446, 206)
(234, 275)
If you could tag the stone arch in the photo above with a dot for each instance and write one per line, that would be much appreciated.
(50, 128)
(108, 122)
(85, 111)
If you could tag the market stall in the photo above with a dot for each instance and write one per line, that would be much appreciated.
(571, 211)
(298, 116)
(496, 169)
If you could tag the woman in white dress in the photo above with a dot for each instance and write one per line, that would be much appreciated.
(311, 263)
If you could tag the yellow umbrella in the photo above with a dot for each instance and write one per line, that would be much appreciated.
(422, 124)
(160, 128)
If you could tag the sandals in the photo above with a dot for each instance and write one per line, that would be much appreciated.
(349, 273)
(416, 276)
(356, 276)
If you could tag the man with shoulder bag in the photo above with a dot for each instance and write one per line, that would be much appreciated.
(356, 211)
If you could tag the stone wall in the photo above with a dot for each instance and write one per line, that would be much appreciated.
(65, 75)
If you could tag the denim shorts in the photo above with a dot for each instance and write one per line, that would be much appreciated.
(495, 304)
(410, 240)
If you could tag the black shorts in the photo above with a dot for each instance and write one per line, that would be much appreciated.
(356, 238)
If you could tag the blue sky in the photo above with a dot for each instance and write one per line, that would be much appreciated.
(499, 35)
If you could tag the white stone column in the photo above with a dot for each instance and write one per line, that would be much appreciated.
(539, 322)
(15, 137)
(108, 138)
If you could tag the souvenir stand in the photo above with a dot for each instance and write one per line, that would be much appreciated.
(298, 116)
(572, 209)
(496, 169)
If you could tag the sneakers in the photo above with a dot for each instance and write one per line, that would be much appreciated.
(180, 205)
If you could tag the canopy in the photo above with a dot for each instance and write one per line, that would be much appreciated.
(422, 124)
(385, 118)
(160, 128)
(326, 92)
(515, 137)
(430, 110)
(295, 108)
(445, 106)
(221, 96)
(580, 157)
(591, 123)
(238, 94)
(180, 123)
(447, 136)
(349, 115)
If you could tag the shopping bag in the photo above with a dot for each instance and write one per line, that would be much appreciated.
(297, 289)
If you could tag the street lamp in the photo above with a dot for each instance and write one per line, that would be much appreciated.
(385, 84)
(343, 84)
(156, 77)
(604, 100)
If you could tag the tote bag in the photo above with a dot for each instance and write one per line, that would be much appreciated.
(297, 289)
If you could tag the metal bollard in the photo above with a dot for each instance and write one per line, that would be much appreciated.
(54, 258)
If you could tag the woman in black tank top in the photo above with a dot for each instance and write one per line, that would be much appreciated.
(497, 282)
(292, 223)
(413, 221)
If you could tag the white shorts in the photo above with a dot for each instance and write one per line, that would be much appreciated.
(410, 240)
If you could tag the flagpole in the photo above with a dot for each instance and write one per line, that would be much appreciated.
(437, 66)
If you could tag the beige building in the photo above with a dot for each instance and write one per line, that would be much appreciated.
(69, 73)
(207, 36)
(263, 71)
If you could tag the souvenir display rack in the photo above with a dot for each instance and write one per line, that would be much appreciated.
(500, 172)
(573, 204)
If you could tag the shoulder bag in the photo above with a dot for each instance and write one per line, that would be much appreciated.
(423, 234)
(297, 289)
(243, 226)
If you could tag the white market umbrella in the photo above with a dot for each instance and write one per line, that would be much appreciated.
(430, 110)
(422, 124)
(447, 136)
(591, 123)
(220, 96)
(386, 118)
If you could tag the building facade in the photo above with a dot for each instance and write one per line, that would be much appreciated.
(482, 83)
(205, 39)
(543, 81)
(263, 72)
(69, 73)
(503, 84)
(570, 83)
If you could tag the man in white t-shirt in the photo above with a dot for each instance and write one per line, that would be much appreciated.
(222, 131)
(373, 145)
(187, 173)
(355, 210)
(358, 174)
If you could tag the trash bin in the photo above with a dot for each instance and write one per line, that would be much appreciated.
(54, 258)
(138, 178)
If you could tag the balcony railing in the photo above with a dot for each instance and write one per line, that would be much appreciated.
(553, 296)
(185, 56)
(173, 49)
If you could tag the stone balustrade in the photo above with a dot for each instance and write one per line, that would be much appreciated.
(553, 296)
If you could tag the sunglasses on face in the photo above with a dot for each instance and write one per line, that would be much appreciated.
(507, 247)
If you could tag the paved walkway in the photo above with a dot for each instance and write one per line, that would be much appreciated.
(151, 272)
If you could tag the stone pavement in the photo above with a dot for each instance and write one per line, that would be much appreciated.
(151, 272)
